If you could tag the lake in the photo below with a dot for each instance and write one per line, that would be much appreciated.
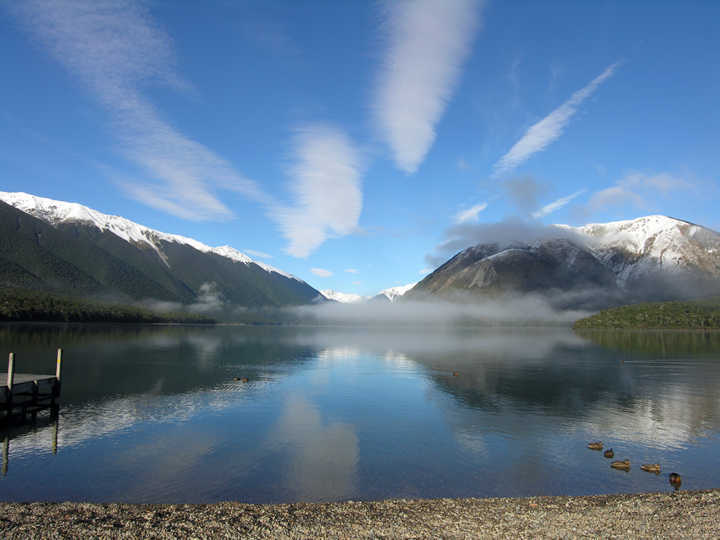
(154, 413)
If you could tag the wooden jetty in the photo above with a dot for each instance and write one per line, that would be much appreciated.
(29, 392)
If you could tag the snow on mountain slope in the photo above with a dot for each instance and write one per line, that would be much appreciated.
(654, 242)
(393, 293)
(56, 212)
(343, 298)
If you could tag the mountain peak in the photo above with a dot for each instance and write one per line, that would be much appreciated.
(392, 293)
(343, 298)
(668, 240)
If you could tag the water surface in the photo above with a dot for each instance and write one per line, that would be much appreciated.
(154, 414)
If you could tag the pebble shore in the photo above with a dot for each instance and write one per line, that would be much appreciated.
(684, 514)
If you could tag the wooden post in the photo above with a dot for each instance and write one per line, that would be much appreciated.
(11, 371)
(10, 380)
(58, 367)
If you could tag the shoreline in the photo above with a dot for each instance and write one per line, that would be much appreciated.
(666, 514)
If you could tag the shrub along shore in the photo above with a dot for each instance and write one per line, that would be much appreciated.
(650, 515)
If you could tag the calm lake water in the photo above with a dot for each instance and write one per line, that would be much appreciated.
(153, 414)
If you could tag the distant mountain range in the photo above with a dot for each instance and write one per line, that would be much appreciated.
(386, 295)
(649, 258)
(68, 248)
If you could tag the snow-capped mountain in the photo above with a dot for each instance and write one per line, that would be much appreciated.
(343, 298)
(653, 243)
(649, 258)
(57, 212)
(70, 248)
(387, 295)
(393, 293)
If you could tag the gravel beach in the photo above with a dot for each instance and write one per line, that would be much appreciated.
(682, 514)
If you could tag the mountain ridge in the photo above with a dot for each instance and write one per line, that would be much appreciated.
(56, 212)
(647, 258)
(70, 248)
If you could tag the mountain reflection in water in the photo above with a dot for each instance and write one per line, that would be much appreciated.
(154, 414)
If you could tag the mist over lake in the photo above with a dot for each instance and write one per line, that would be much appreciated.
(161, 413)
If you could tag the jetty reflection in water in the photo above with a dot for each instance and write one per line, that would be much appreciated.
(154, 414)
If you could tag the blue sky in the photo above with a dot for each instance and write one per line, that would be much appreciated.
(345, 141)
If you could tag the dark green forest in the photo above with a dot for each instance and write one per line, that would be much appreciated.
(697, 314)
(25, 305)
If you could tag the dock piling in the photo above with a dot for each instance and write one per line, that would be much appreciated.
(58, 367)
(26, 393)
(11, 371)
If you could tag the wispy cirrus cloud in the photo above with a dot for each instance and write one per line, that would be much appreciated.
(470, 214)
(352, 270)
(428, 42)
(326, 184)
(557, 204)
(321, 272)
(547, 130)
(115, 48)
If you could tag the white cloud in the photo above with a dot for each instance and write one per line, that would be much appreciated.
(662, 182)
(556, 205)
(351, 270)
(259, 254)
(428, 42)
(471, 214)
(637, 190)
(327, 189)
(613, 196)
(115, 48)
(424, 271)
(321, 272)
(547, 130)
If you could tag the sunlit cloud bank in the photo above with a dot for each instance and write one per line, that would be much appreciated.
(428, 43)
(116, 49)
(326, 184)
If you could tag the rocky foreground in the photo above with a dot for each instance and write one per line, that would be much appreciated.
(682, 514)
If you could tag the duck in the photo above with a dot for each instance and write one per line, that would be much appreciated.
(651, 467)
(675, 480)
(597, 445)
(609, 453)
(622, 465)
